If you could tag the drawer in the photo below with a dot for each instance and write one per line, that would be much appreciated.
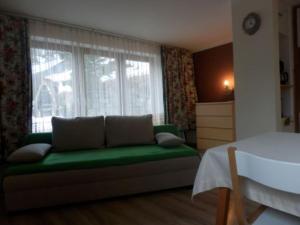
(214, 109)
(215, 134)
(203, 144)
(214, 122)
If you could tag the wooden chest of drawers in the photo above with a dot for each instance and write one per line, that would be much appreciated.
(215, 124)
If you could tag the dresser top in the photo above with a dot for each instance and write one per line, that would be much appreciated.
(215, 103)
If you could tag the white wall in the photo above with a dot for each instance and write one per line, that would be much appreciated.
(256, 69)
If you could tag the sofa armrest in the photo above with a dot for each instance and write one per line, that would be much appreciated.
(37, 138)
(170, 128)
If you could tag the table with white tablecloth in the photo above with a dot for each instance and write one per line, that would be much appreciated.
(214, 171)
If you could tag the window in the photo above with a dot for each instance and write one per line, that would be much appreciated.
(137, 83)
(52, 87)
(101, 76)
(102, 85)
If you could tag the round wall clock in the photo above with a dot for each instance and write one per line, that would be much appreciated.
(251, 23)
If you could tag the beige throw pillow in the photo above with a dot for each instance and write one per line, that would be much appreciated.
(168, 140)
(29, 153)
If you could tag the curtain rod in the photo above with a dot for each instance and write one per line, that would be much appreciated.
(85, 28)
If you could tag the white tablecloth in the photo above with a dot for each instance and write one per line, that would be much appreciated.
(214, 171)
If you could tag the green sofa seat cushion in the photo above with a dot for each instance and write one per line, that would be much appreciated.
(95, 158)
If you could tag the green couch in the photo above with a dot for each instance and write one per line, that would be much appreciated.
(66, 177)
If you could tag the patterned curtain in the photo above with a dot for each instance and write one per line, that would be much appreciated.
(15, 83)
(179, 87)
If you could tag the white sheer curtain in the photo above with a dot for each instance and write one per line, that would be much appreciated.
(84, 73)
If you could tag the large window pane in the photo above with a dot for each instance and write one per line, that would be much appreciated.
(137, 87)
(52, 87)
(102, 85)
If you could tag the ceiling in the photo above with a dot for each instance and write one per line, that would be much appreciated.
(191, 24)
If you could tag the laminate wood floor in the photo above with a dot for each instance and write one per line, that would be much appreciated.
(171, 207)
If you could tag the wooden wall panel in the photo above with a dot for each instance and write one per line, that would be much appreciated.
(212, 67)
(296, 69)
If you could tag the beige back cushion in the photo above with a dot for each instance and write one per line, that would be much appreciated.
(129, 130)
(78, 133)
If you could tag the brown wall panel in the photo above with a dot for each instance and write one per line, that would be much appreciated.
(212, 67)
